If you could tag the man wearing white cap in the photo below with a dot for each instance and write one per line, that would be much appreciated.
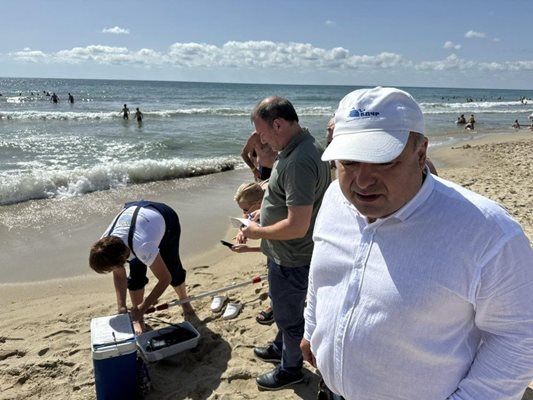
(418, 288)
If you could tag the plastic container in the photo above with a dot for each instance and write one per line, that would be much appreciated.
(114, 354)
(154, 348)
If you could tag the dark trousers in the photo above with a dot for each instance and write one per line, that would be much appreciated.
(288, 289)
(169, 248)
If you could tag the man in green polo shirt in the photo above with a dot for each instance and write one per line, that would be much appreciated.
(288, 211)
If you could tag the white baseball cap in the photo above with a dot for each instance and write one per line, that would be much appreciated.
(373, 125)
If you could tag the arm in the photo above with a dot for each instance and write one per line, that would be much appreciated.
(245, 154)
(120, 280)
(294, 226)
(503, 364)
(244, 248)
(310, 323)
(305, 346)
(164, 278)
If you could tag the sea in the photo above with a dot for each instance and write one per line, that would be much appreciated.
(58, 150)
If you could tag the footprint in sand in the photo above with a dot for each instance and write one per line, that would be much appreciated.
(263, 296)
(200, 267)
(74, 351)
(68, 331)
(238, 374)
(4, 354)
(42, 352)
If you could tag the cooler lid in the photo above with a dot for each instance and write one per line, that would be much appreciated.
(114, 350)
(111, 330)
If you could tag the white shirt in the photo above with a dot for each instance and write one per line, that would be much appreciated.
(433, 302)
(149, 230)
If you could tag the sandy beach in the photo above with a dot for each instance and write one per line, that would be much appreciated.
(48, 296)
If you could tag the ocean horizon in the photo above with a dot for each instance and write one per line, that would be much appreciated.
(59, 150)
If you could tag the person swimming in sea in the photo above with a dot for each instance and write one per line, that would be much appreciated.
(139, 115)
(471, 121)
(125, 112)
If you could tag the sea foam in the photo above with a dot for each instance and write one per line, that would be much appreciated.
(66, 183)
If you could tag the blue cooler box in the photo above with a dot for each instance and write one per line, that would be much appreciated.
(114, 357)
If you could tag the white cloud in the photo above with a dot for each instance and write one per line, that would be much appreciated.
(233, 54)
(454, 63)
(29, 55)
(451, 46)
(260, 55)
(497, 40)
(330, 22)
(116, 31)
(474, 35)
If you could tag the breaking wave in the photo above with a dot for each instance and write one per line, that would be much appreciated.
(16, 188)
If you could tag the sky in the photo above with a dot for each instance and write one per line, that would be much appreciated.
(435, 43)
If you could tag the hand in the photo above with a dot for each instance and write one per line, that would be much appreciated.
(305, 346)
(240, 238)
(242, 248)
(254, 216)
(136, 314)
(257, 174)
(252, 231)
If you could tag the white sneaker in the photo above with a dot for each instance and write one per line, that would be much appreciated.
(218, 303)
(232, 310)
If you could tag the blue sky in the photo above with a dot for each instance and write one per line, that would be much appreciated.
(468, 43)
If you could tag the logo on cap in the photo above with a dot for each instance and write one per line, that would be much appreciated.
(360, 113)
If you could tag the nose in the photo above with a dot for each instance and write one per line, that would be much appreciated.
(364, 176)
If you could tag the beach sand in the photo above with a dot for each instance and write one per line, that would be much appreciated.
(45, 332)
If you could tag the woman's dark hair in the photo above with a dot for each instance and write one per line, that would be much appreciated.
(108, 253)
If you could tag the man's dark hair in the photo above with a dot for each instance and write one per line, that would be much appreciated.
(107, 253)
(274, 107)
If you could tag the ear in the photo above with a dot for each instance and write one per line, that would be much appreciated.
(277, 124)
(422, 152)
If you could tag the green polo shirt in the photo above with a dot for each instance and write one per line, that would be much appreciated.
(299, 178)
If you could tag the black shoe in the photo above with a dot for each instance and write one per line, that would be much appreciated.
(267, 354)
(277, 379)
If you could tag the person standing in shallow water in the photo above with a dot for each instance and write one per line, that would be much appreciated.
(139, 116)
(125, 112)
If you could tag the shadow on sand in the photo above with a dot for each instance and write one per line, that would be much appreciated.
(177, 377)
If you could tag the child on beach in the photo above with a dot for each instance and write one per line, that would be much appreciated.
(248, 198)
(145, 234)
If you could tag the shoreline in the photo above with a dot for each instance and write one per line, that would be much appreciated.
(50, 239)
(202, 223)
